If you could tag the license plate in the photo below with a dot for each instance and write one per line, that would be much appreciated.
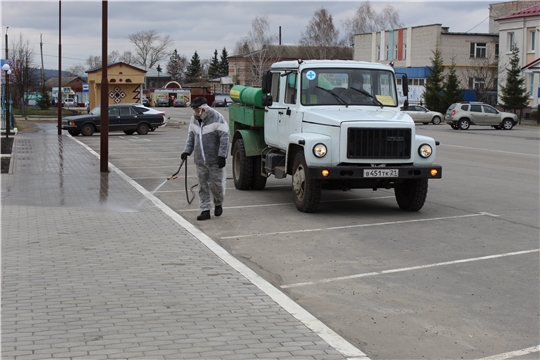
(381, 173)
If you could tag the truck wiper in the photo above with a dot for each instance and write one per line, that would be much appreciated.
(364, 92)
(338, 98)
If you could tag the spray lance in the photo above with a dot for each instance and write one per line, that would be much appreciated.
(174, 177)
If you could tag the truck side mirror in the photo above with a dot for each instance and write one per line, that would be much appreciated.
(405, 84)
(267, 100)
(267, 82)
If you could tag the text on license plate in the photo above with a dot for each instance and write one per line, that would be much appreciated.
(381, 172)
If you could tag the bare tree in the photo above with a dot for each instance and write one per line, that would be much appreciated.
(482, 75)
(321, 37)
(258, 48)
(367, 20)
(93, 62)
(113, 57)
(24, 73)
(126, 57)
(150, 47)
(77, 70)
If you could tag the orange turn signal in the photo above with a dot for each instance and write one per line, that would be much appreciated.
(325, 173)
(434, 172)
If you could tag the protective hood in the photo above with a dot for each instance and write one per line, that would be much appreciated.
(335, 116)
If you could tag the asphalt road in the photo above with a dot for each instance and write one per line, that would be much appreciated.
(457, 280)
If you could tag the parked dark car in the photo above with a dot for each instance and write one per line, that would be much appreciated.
(128, 118)
(221, 102)
(145, 102)
(179, 102)
(163, 102)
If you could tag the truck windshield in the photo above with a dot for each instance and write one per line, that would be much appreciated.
(348, 87)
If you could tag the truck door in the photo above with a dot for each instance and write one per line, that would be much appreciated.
(271, 117)
(287, 117)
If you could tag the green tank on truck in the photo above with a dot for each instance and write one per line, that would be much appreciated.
(329, 124)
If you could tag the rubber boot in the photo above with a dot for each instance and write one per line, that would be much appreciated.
(205, 215)
(218, 210)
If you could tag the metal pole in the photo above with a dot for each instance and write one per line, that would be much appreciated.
(7, 104)
(104, 121)
(59, 102)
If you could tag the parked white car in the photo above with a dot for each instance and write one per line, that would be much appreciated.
(423, 115)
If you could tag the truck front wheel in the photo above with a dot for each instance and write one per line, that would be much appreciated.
(307, 192)
(242, 166)
(411, 194)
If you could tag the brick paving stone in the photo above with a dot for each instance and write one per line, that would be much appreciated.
(88, 274)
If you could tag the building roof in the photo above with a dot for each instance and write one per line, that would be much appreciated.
(528, 12)
(533, 66)
(53, 81)
(113, 64)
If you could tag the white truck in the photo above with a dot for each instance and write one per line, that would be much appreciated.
(330, 124)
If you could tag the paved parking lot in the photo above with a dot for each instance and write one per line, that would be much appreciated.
(459, 279)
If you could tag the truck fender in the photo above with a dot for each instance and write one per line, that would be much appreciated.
(308, 141)
(253, 141)
(419, 140)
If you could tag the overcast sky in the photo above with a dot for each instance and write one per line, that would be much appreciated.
(201, 26)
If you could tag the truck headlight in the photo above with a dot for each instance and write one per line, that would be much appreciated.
(319, 150)
(425, 150)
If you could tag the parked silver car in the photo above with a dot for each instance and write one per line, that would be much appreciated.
(460, 116)
(423, 115)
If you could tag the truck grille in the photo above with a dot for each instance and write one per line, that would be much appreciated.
(370, 143)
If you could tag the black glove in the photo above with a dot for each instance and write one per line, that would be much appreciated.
(221, 162)
(184, 156)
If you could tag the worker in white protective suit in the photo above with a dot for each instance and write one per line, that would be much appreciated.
(208, 141)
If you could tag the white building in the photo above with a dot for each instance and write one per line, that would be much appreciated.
(522, 30)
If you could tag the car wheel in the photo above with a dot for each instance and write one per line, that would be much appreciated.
(74, 132)
(143, 129)
(242, 166)
(497, 127)
(128, 132)
(464, 124)
(455, 127)
(436, 120)
(411, 194)
(87, 129)
(307, 191)
(507, 124)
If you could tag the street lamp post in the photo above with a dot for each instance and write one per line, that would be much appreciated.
(7, 69)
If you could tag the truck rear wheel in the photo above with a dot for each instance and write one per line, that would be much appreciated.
(242, 166)
(258, 182)
(307, 192)
(411, 194)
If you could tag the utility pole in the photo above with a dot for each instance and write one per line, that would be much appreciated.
(42, 66)
(104, 120)
(59, 102)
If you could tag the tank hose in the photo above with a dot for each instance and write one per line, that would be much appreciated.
(173, 177)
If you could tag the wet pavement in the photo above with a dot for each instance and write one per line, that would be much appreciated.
(96, 267)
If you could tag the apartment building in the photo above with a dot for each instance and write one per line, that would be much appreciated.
(474, 55)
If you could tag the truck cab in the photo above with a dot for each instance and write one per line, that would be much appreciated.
(330, 124)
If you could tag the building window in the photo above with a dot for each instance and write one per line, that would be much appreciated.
(497, 51)
(476, 83)
(395, 52)
(478, 50)
(404, 51)
(510, 42)
(532, 40)
(387, 52)
(531, 83)
(378, 52)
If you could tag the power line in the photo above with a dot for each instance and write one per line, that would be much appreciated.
(478, 24)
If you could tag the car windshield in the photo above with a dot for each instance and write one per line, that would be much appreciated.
(348, 87)
(96, 110)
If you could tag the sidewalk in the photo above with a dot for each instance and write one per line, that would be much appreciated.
(95, 267)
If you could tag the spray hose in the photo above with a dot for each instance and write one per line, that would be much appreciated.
(173, 177)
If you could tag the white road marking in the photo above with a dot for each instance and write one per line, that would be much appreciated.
(357, 226)
(491, 150)
(512, 354)
(392, 271)
(324, 332)
(279, 204)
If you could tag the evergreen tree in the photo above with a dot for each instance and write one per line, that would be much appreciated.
(434, 86)
(452, 89)
(514, 95)
(194, 68)
(213, 69)
(224, 63)
(45, 100)
(175, 66)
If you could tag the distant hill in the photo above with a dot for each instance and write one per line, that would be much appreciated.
(49, 73)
